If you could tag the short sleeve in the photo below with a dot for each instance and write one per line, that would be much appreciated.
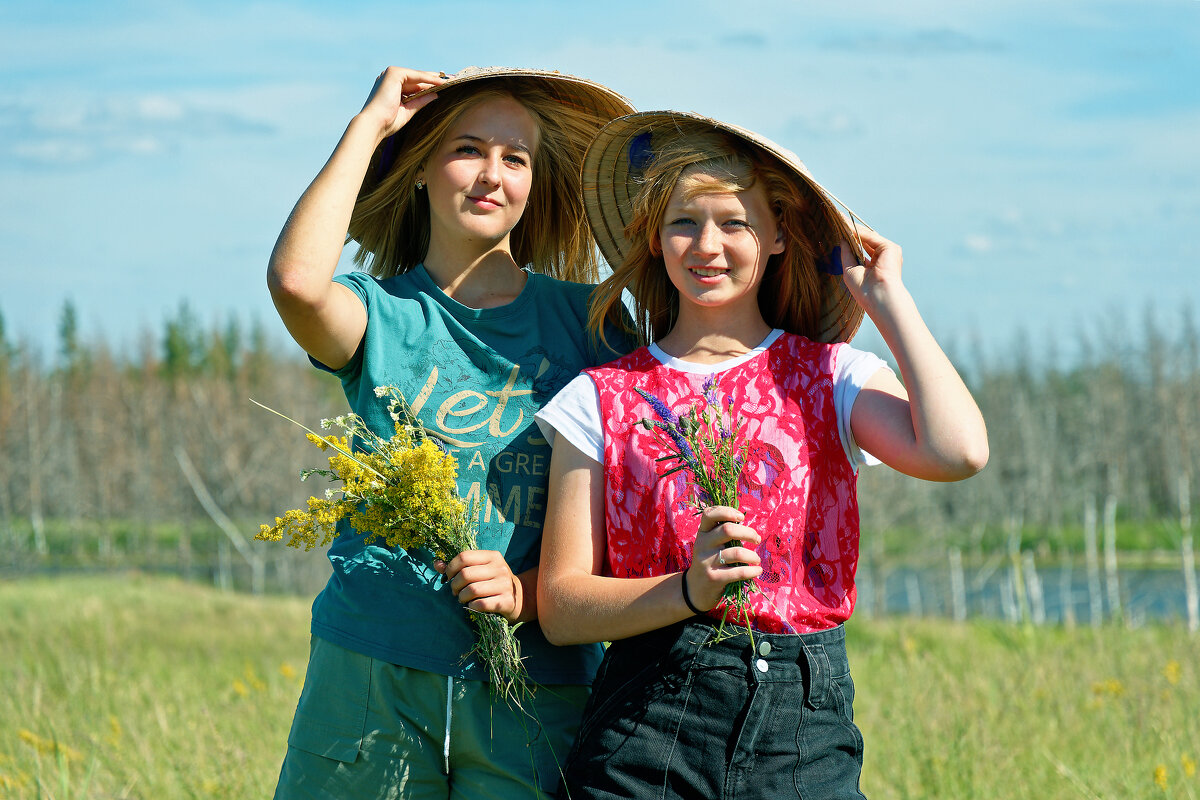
(575, 413)
(851, 371)
(357, 282)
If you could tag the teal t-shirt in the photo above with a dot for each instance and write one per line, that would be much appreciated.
(477, 377)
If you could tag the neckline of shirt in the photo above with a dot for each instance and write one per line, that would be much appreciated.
(519, 303)
(707, 369)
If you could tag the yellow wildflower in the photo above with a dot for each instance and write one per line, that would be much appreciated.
(13, 783)
(256, 683)
(1111, 687)
(1188, 764)
(114, 730)
(48, 747)
(1160, 777)
(239, 688)
(1172, 672)
(403, 490)
(287, 671)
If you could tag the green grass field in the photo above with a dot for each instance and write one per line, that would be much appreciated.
(146, 687)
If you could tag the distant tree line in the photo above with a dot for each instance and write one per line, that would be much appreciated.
(1114, 428)
(93, 436)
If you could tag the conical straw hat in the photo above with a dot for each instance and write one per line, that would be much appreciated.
(612, 169)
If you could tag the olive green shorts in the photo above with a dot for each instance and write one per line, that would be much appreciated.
(367, 729)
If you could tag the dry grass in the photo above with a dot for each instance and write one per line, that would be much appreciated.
(145, 687)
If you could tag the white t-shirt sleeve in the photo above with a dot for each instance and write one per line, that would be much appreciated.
(575, 413)
(852, 369)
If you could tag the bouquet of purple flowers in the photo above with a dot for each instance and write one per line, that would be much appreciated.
(705, 443)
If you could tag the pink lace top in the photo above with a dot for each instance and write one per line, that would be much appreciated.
(797, 487)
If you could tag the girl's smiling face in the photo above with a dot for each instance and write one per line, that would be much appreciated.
(715, 246)
(480, 176)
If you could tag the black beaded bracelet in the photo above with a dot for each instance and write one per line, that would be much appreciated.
(687, 598)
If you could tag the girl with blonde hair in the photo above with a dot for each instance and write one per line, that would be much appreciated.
(747, 281)
(462, 195)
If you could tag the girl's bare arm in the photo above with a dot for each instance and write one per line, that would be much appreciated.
(929, 426)
(576, 604)
(326, 318)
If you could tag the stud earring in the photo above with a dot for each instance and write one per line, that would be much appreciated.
(420, 184)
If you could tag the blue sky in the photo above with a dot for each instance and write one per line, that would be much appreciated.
(1039, 162)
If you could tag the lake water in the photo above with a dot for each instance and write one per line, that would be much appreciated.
(1145, 595)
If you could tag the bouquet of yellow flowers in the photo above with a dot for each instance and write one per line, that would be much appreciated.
(401, 490)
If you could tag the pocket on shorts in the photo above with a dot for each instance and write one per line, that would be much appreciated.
(331, 716)
(625, 680)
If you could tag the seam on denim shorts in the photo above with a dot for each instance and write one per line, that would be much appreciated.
(687, 698)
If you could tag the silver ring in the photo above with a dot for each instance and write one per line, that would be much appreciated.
(721, 557)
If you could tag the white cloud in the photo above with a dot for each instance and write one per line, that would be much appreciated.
(64, 131)
(53, 151)
(828, 124)
(978, 243)
(919, 42)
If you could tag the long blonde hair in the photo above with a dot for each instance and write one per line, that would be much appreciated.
(391, 220)
(790, 294)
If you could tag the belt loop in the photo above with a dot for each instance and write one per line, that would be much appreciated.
(691, 641)
(818, 675)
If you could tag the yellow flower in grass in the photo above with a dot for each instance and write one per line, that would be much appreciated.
(18, 781)
(239, 688)
(48, 747)
(256, 683)
(1111, 687)
(1188, 765)
(114, 730)
(1172, 672)
(1160, 777)
(287, 671)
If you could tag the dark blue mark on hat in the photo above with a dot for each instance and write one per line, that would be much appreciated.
(833, 264)
(387, 157)
(640, 152)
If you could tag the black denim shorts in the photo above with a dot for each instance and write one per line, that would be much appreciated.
(673, 715)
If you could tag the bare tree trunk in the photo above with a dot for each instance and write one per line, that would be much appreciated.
(958, 586)
(1064, 590)
(1015, 568)
(1189, 583)
(1095, 598)
(223, 522)
(34, 431)
(1037, 599)
(912, 587)
(1112, 583)
(1189, 558)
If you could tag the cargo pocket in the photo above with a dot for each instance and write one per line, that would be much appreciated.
(331, 716)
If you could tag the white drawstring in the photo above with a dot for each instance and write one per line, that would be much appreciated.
(449, 712)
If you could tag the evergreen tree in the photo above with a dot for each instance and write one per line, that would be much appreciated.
(68, 335)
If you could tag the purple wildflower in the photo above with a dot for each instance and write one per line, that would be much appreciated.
(710, 390)
(660, 408)
(671, 424)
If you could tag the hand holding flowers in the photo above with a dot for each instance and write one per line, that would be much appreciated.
(722, 555)
(403, 490)
(482, 581)
(706, 443)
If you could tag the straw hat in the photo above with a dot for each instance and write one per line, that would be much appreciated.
(570, 90)
(612, 171)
